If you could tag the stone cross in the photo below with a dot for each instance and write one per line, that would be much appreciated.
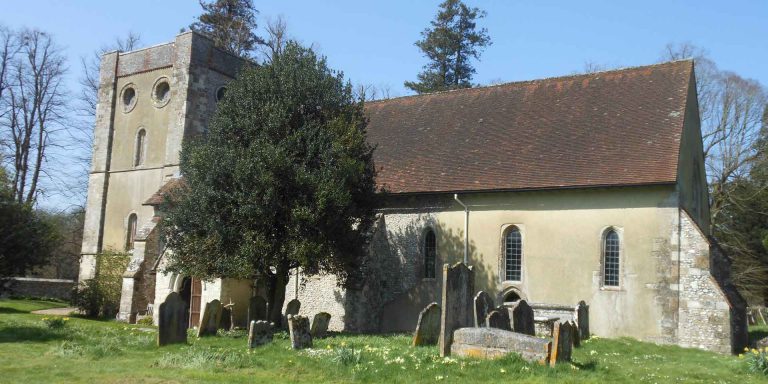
(483, 304)
(231, 308)
(428, 326)
(320, 325)
(171, 325)
(259, 333)
(298, 327)
(458, 285)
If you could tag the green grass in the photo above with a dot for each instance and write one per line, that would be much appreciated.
(87, 351)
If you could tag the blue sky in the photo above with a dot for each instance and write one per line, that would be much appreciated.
(372, 41)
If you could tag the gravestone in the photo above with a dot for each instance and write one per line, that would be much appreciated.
(483, 305)
(522, 318)
(226, 318)
(171, 324)
(428, 327)
(457, 312)
(491, 343)
(562, 342)
(259, 333)
(499, 318)
(298, 326)
(209, 324)
(320, 325)
(582, 319)
(293, 307)
(257, 309)
(576, 334)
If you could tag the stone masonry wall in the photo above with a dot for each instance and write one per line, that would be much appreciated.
(704, 320)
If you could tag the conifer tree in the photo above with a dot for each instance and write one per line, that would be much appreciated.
(450, 44)
(231, 24)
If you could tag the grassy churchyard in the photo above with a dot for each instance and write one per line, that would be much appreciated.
(88, 351)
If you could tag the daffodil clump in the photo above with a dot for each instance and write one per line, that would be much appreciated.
(55, 322)
(757, 360)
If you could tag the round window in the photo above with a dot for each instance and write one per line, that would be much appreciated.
(128, 97)
(161, 93)
(220, 93)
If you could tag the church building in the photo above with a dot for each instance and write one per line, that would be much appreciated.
(586, 187)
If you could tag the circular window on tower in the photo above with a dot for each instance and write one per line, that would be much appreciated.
(161, 92)
(220, 93)
(128, 97)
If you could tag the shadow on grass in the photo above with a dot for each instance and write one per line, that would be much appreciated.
(19, 334)
(590, 366)
(756, 334)
(7, 310)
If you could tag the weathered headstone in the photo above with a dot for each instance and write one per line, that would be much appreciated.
(575, 334)
(299, 329)
(259, 333)
(499, 318)
(171, 325)
(226, 318)
(562, 342)
(428, 327)
(522, 318)
(293, 307)
(457, 312)
(582, 319)
(320, 325)
(257, 309)
(483, 305)
(491, 343)
(209, 324)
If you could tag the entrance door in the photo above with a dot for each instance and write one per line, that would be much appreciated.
(194, 305)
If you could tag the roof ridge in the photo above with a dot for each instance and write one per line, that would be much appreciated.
(532, 81)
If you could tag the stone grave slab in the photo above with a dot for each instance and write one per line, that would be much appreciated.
(492, 343)
(483, 305)
(211, 319)
(428, 326)
(457, 312)
(298, 326)
(320, 325)
(172, 324)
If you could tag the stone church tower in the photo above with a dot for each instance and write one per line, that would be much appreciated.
(149, 101)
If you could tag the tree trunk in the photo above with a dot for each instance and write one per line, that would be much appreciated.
(276, 294)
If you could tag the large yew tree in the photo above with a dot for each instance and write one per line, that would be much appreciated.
(283, 179)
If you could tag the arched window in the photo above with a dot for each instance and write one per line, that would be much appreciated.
(131, 233)
(611, 250)
(513, 255)
(138, 158)
(430, 254)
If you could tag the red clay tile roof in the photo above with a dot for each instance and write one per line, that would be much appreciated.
(167, 189)
(618, 127)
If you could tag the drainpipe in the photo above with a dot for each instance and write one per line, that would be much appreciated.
(466, 228)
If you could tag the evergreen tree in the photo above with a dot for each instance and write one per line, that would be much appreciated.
(450, 44)
(284, 179)
(231, 24)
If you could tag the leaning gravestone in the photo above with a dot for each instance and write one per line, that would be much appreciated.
(299, 329)
(582, 319)
(428, 327)
(293, 307)
(458, 285)
(483, 305)
(171, 325)
(576, 334)
(320, 325)
(562, 342)
(257, 309)
(211, 319)
(259, 333)
(491, 343)
(499, 318)
(522, 318)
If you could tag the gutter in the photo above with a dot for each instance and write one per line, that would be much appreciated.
(466, 228)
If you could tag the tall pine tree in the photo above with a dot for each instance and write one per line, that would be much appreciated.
(231, 24)
(450, 44)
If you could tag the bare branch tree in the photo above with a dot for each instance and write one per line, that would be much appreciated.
(277, 36)
(37, 105)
